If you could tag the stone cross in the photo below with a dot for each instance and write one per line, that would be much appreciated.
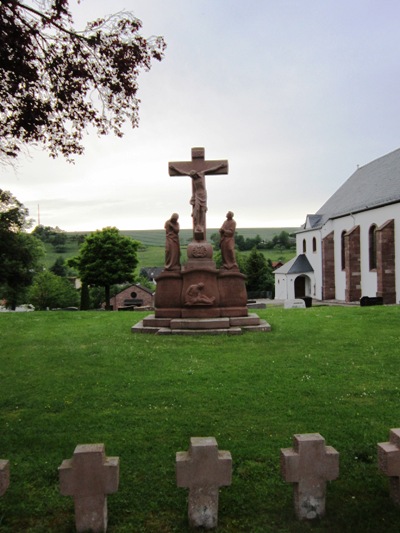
(203, 469)
(309, 465)
(4, 476)
(389, 462)
(197, 169)
(89, 476)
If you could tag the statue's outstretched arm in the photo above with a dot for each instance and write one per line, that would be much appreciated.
(181, 172)
(213, 169)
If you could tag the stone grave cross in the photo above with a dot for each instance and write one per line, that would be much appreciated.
(389, 462)
(89, 476)
(197, 169)
(4, 475)
(309, 465)
(203, 469)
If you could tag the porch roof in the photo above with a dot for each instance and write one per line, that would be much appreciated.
(298, 265)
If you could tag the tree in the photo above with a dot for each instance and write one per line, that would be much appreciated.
(249, 243)
(105, 258)
(85, 297)
(51, 291)
(54, 236)
(59, 241)
(56, 80)
(13, 214)
(215, 239)
(258, 272)
(283, 240)
(20, 252)
(59, 267)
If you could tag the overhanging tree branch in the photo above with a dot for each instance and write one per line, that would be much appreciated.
(48, 77)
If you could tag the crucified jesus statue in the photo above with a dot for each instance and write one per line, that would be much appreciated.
(196, 170)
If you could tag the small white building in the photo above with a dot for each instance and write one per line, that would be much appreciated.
(350, 248)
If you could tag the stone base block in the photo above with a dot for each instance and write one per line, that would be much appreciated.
(153, 322)
(262, 326)
(140, 328)
(195, 323)
(200, 312)
(251, 320)
(222, 331)
(233, 311)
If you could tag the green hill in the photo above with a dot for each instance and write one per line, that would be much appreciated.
(157, 237)
(152, 252)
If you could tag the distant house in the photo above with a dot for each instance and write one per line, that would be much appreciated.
(351, 247)
(151, 273)
(135, 295)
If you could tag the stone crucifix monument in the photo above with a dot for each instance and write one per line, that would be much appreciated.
(197, 296)
(200, 290)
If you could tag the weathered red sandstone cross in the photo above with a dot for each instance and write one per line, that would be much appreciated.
(89, 476)
(197, 168)
(203, 469)
(389, 462)
(309, 465)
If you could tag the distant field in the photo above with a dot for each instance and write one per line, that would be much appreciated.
(156, 237)
(152, 252)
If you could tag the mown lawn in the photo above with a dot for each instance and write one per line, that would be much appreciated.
(76, 378)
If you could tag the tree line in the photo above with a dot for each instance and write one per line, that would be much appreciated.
(105, 264)
(106, 258)
(281, 241)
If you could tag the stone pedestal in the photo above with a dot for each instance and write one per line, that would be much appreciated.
(167, 299)
(200, 290)
(201, 299)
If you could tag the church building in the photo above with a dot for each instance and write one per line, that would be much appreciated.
(350, 248)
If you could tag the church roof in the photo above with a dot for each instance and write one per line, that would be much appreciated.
(373, 185)
(298, 265)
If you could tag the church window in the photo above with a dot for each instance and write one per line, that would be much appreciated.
(304, 246)
(314, 244)
(343, 250)
(372, 247)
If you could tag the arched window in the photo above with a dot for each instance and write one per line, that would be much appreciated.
(343, 250)
(372, 247)
(304, 246)
(314, 244)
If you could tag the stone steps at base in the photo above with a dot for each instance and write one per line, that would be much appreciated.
(220, 331)
(236, 327)
(262, 326)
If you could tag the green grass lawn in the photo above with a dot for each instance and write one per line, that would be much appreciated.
(77, 378)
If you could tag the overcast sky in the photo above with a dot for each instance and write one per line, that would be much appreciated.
(294, 93)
